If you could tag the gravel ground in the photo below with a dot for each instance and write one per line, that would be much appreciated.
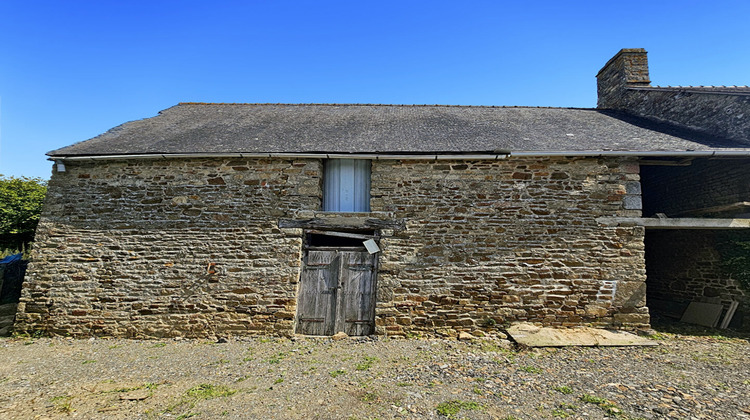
(685, 376)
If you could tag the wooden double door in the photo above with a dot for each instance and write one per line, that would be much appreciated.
(337, 292)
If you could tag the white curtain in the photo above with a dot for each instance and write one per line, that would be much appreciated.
(346, 185)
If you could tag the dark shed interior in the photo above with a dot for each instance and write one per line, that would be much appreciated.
(693, 264)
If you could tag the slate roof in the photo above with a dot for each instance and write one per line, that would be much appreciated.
(397, 129)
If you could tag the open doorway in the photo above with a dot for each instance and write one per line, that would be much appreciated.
(689, 263)
(337, 285)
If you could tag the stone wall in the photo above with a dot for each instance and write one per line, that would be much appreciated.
(702, 184)
(628, 68)
(489, 243)
(623, 84)
(685, 266)
(169, 248)
(158, 248)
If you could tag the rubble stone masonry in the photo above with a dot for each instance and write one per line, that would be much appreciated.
(623, 84)
(193, 247)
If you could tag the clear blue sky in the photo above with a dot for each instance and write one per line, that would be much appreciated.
(70, 70)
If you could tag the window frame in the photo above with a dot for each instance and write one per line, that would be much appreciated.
(346, 185)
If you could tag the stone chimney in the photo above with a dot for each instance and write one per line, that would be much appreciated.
(628, 68)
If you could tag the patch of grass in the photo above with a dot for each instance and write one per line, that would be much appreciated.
(366, 363)
(508, 356)
(34, 334)
(86, 362)
(159, 345)
(278, 380)
(659, 336)
(477, 390)
(365, 383)
(187, 415)
(277, 358)
(310, 370)
(369, 397)
(564, 410)
(336, 373)
(198, 393)
(563, 389)
(62, 404)
(673, 330)
(208, 391)
(403, 384)
(592, 399)
(532, 369)
(451, 408)
(608, 406)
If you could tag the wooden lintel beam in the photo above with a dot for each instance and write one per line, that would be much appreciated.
(676, 223)
(343, 223)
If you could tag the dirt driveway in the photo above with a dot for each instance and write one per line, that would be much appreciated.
(684, 377)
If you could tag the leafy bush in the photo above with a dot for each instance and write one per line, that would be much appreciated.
(21, 202)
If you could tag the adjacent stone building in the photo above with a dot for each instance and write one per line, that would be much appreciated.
(215, 219)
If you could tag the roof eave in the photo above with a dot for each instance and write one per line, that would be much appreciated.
(416, 156)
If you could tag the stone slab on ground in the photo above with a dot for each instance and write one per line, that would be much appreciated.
(534, 336)
(702, 313)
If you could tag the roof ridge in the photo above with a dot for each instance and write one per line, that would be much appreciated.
(378, 105)
(706, 86)
(719, 90)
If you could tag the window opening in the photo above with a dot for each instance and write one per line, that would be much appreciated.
(346, 185)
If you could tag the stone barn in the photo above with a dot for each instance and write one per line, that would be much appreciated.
(239, 219)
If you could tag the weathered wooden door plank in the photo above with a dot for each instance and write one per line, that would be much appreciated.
(318, 291)
(337, 293)
(355, 314)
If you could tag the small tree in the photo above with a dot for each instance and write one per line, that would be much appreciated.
(20, 207)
